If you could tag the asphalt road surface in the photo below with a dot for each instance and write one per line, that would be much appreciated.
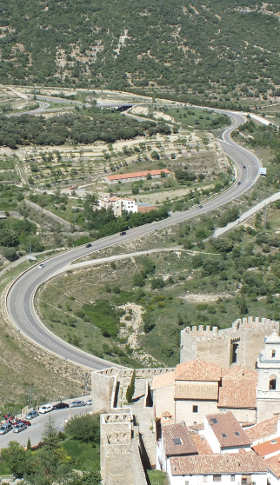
(20, 297)
(58, 418)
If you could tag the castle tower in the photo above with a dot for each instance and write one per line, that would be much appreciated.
(268, 386)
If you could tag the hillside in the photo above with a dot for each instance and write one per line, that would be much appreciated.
(218, 50)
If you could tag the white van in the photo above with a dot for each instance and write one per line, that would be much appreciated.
(45, 408)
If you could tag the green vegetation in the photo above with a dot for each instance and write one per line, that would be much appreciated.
(224, 279)
(157, 477)
(213, 51)
(18, 234)
(78, 128)
(131, 388)
(59, 456)
(197, 118)
(10, 197)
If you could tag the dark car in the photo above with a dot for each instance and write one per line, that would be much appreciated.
(88, 245)
(61, 405)
(5, 428)
(32, 414)
(19, 427)
(123, 233)
(25, 421)
(77, 404)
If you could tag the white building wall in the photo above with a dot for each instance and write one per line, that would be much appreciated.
(273, 480)
(227, 479)
(242, 415)
(164, 400)
(211, 437)
(184, 410)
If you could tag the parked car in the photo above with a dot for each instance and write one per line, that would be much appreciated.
(88, 245)
(89, 402)
(25, 421)
(77, 404)
(5, 428)
(19, 427)
(45, 408)
(61, 405)
(123, 233)
(32, 414)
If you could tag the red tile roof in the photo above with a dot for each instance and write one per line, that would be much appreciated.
(142, 173)
(238, 391)
(218, 464)
(263, 429)
(178, 440)
(228, 430)
(271, 446)
(273, 464)
(198, 370)
(201, 445)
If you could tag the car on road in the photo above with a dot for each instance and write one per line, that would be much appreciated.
(89, 245)
(32, 414)
(5, 428)
(61, 405)
(122, 233)
(239, 182)
(41, 265)
(77, 404)
(45, 408)
(19, 427)
(25, 421)
(89, 402)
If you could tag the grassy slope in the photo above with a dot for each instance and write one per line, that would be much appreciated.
(206, 48)
(26, 370)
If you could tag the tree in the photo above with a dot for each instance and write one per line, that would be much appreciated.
(84, 428)
(131, 388)
(16, 458)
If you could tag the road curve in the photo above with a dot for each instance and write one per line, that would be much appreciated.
(19, 301)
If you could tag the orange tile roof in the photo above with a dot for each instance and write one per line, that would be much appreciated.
(263, 429)
(201, 444)
(177, 440)
(273, 465)
(163, 380)
(142, 173)
(218, 464)
(271, 446)
(238, 391)
(227, 430)
(198, 370)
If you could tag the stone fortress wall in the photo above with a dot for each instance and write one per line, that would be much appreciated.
(240, 344)
(121, 440)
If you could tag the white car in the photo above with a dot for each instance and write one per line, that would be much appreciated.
(45, 408)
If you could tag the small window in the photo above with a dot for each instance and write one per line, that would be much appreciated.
(224, 435)
(177, 441)
(217, 478)
(273, 354)
(237, 433)
(195, 409)
(272, 384)
(232, 478)
(213, 420)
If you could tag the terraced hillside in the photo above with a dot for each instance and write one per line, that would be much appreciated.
(218, 50)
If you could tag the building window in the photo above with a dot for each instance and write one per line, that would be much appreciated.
(272, 383)
(195, 409)
(273, 354)
(217, 478)
(232, 478)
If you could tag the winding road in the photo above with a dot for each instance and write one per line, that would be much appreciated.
(20, 298)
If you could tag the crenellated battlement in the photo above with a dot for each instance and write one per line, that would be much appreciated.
(239, 343)
(256, 323)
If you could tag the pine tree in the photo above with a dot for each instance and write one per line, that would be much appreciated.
(131, 388)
